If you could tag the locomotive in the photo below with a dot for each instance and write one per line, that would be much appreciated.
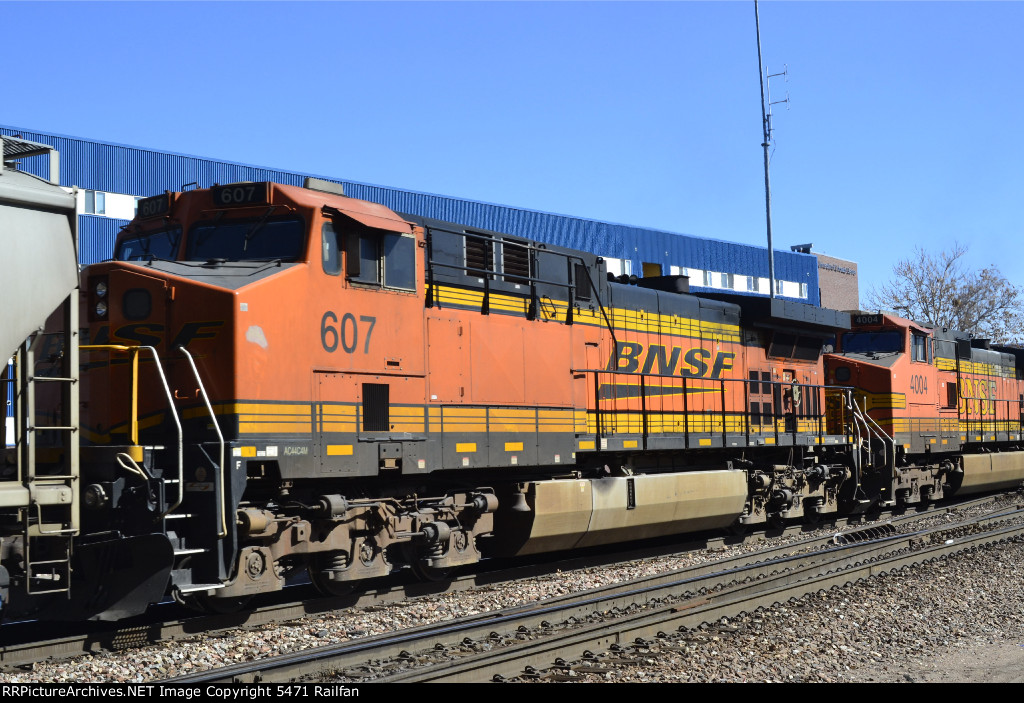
(279, 380)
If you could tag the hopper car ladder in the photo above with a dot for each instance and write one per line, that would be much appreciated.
(51, 488)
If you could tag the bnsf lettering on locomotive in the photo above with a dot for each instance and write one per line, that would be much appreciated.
(152, 334)
(346, 333)
(977, 396)
(659, 360)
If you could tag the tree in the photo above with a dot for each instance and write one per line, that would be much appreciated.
(942, 291)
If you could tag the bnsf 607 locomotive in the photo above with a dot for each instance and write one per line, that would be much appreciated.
(278, 380)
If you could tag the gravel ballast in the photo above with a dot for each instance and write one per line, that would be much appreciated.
(888, 629)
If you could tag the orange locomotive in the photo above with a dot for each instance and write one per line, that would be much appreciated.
(944, 410)
(280, 380)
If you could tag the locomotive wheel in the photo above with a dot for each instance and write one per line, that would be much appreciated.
(202, 603)
(320, 568)
(431, 574)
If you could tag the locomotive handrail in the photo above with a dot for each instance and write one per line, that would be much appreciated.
(134, 351)
(814, 411)
(880, 434)
(220, 436)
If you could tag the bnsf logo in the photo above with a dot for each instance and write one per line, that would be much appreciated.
(630, 357)
(152, 334)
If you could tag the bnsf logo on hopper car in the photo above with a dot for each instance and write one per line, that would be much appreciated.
(629, 355)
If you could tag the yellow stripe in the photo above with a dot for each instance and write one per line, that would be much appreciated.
(248, 451)
(475, 413)
(629, 444)
(339, 450)
(465, 448)
(464, 427)
(587, 445)
(340, 427)
(268, 427)
(513, 446)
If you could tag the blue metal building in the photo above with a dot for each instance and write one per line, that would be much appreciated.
(109, 172)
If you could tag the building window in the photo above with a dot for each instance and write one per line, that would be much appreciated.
(803, 290)
(752, 284)
(95, 202)
(709, 278)
(726, 280)
(778, 287)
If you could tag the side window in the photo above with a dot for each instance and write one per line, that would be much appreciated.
(399, 262)
(919, 347)
(331, 255)
(377, 257)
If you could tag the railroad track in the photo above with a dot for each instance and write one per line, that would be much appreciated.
(22, 646)
(528, 640)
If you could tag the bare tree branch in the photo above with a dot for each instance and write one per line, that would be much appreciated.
(940, 290)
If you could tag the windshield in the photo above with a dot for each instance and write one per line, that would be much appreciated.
(143, 246)
(863, 342)
(247, 240)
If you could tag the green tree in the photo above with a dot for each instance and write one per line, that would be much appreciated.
(939, 289)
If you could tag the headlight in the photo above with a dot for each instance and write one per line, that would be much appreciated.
(101, 309)
(101, 289)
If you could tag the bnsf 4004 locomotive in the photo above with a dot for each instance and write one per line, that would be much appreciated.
(278, 380)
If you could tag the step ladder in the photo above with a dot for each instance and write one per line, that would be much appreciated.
(50, 518)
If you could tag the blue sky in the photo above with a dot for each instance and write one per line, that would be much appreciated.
(903, 128)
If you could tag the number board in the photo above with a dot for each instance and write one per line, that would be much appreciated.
(867, 319)
(156, 205)
(241, 193)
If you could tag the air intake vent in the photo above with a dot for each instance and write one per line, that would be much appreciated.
(515, 262)
(479, 255)
(376, 402)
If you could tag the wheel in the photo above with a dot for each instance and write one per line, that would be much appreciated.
(211, 605)
(738, 529)
(320, 568)
(429, 573)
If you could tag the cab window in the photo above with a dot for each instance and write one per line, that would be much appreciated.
(919, 347)
(162, 244)
(381, 258)
(331, 255)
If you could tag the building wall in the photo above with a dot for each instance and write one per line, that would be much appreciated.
(118, 175)
(840, 288)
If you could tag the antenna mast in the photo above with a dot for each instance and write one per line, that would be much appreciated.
(766, 127)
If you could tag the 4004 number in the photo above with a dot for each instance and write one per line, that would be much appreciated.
(346, 332)
(919, 384)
